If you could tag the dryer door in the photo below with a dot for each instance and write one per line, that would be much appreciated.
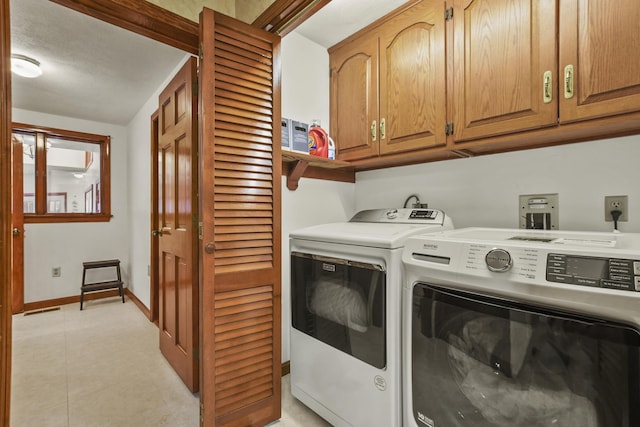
(479, 361)
(341, 303)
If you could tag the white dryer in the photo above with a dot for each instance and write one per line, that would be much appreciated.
(521, 328)
(346, 286)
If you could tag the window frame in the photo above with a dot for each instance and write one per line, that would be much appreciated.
(41, 215)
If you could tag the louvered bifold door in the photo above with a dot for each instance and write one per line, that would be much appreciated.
(240, 199)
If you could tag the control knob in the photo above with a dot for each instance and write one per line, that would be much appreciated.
(498, 260)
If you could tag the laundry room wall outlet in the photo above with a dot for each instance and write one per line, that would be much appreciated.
(539, 211)
(616, 203)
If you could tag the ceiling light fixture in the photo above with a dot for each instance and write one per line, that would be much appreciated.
(25, 66)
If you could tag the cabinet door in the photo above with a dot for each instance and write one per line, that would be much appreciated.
(601, 40)
(502, 49)
(412, 79)
(354, 99)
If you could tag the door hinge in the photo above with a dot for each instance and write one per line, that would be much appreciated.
(200, 231)
(448, 128)
(448, 14)
(201, 412)
(195, 88)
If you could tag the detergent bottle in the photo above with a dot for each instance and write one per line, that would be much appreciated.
(331, 152)
(318, 140)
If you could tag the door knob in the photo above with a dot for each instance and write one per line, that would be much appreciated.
(209, 248)
(16, 231)
(156, 233)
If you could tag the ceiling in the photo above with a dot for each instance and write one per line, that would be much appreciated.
(91, 70)
(96, 71)
(341, 18)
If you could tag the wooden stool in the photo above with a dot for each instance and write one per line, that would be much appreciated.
(101, 286)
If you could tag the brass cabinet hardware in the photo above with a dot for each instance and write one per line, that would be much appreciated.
(568, 81)
(547, 94)
(382, 129)
(373, 131)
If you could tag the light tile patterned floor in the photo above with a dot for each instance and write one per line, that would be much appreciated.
(101, 367)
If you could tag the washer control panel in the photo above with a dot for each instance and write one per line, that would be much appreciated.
(400, 216)
(613, 273)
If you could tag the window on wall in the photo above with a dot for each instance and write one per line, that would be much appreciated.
(65, 175)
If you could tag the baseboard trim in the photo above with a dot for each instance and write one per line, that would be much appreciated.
(286, 368)
(39, 305)
(143, 308)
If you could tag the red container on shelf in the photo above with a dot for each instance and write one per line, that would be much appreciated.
(318, 140)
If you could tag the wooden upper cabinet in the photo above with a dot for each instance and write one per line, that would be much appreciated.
(412, 79)
(388, 85)
(502, 51)
(601, 41)
(354, 98)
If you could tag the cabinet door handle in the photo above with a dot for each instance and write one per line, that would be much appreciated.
(373, 131)
(568, 81)
(547, 91)
(383, 133)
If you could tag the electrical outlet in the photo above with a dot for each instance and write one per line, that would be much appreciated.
(613, 203)
(56, 272)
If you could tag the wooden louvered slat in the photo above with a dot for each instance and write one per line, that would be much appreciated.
(256, 49)
(240, 160)
(252, 348)
(256, 98)
(226, 84)
(241, 182)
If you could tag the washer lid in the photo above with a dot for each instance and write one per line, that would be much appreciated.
(381, 232)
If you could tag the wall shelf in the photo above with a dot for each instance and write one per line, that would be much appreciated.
(298, 165)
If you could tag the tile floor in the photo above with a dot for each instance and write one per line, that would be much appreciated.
(101, 367)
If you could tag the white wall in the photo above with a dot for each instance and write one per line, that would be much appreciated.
(305, 80)
(139, 196)
(67, 245)
(305, 96)
(483, 191)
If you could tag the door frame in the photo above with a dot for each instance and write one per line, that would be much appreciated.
(154, 286)
(6, 160)
(17, 231)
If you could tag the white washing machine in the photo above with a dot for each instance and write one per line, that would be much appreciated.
(521, 328)
(346, 287)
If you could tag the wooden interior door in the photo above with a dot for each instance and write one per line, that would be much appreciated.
(17, 230)
(240, 265)
(601, 41)
(412, 79)
(178, 256)
(501, 52)
(354, 98)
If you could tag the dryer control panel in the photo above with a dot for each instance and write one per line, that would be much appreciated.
(613, 273)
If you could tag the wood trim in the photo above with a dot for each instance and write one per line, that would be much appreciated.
(143, 308)
(162, 25)
(17, 240)
(284, 16)
(37, 305)
(286, 368)
(5, 214)
(143, 18)
(154, 244)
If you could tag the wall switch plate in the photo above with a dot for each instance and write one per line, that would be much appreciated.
(539, 211)
(56, 272)
(612, 203)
